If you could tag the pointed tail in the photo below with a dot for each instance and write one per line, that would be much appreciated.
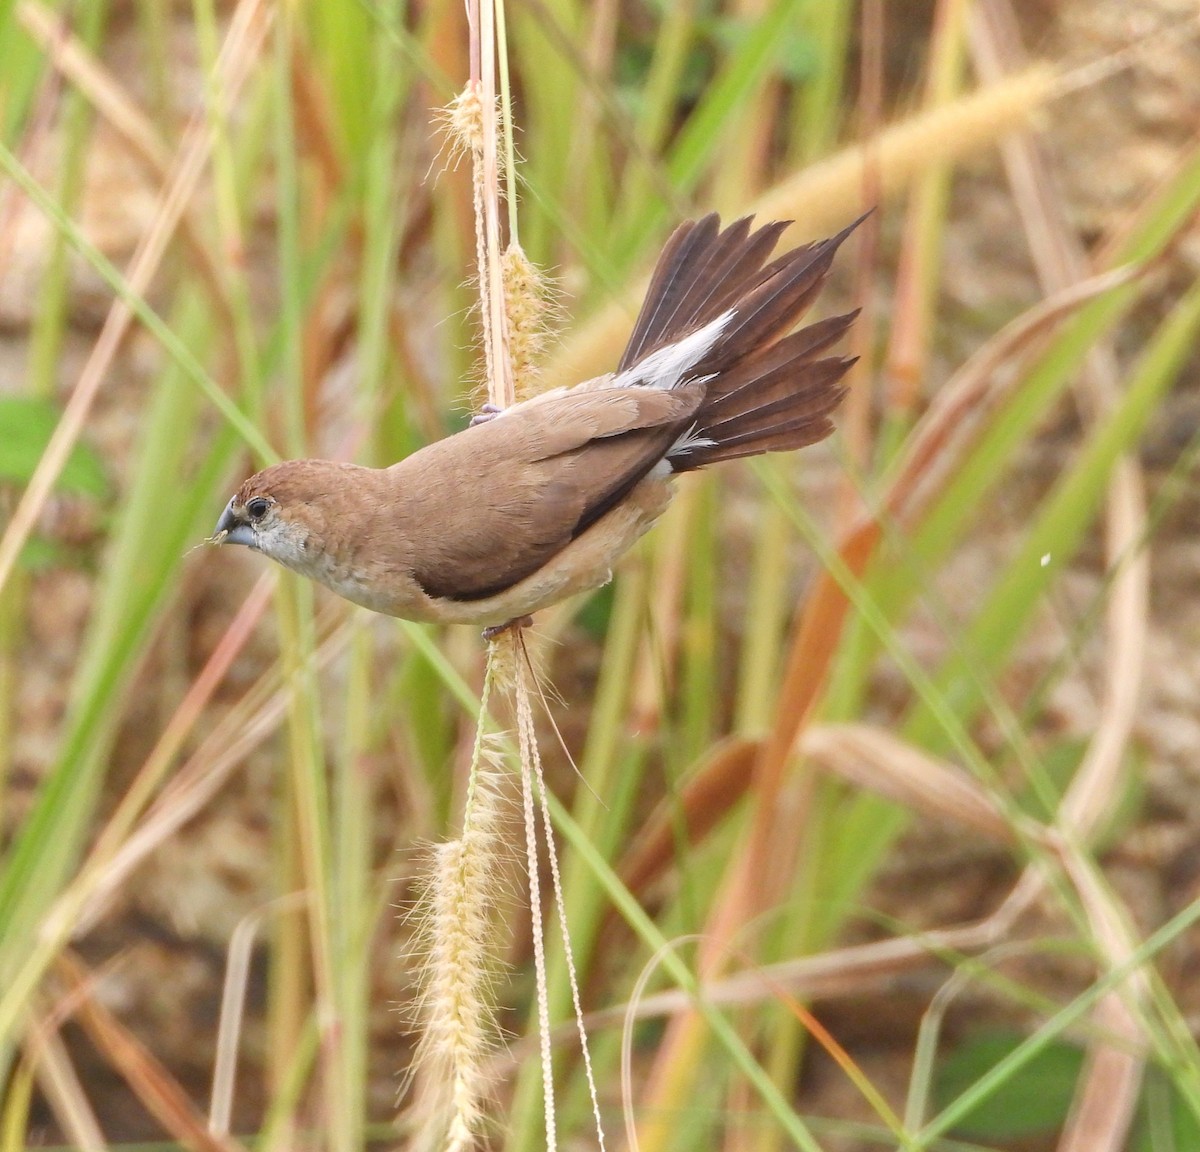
(765, 391)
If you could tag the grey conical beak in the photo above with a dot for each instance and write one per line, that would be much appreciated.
(231, 530)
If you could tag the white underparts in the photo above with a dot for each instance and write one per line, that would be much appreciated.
(668, 367)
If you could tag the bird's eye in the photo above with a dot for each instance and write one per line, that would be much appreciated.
(256, 509)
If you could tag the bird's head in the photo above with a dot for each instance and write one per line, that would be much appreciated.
(288, 510)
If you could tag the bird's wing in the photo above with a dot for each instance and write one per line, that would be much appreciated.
(529, 481)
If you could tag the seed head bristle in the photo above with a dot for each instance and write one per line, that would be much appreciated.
(504, 655)
(530, 309)
(463, 123)
(456, 1016)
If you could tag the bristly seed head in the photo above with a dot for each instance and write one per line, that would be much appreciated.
(463, 124)
(456, 1005)
(531, 310)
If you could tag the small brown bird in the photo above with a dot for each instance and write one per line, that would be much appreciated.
(538, 501)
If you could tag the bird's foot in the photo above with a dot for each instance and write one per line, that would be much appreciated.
(486, 413)
(494, 631)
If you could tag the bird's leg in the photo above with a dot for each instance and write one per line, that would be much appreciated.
(493, 631)
(486, 413)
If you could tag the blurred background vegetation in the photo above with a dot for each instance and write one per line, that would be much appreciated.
(896, 739)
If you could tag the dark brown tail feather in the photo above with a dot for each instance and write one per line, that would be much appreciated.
(780, 424)
(775, 304)
(700, 273)
(769, 391)
(774, 366)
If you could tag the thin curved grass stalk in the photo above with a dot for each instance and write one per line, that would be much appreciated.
(531, 778)
(486, 183)
(527, 740)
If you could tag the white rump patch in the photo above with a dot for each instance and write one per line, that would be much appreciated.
(661, 470)
(668, 366)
